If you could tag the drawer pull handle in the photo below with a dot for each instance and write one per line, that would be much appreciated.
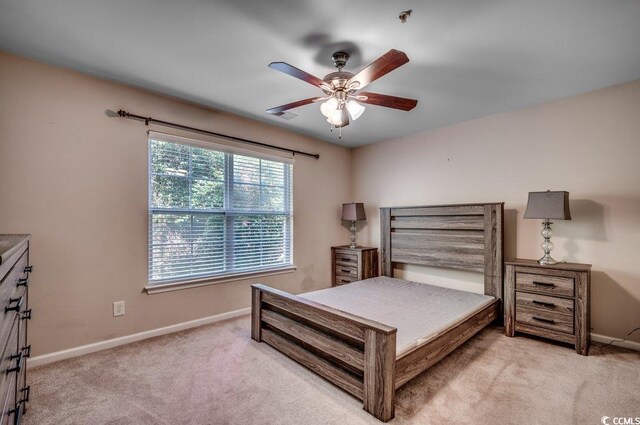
(16, 307)
(26, 351)
(541, 319)
(26, 315)
(18, 411)
(28, 269)
(23, 282)
(545, 304)
(549, 285)
(18, 358)
(26, 394)
(346, 260)
(345, 270)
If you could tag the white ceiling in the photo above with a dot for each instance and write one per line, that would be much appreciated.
(468, 58)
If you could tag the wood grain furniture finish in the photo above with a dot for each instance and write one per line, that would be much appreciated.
(550, 301)
(464, 237)
(352, 264)
(358, 354)
(14, 281)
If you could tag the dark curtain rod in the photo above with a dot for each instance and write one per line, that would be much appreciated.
(147, 120)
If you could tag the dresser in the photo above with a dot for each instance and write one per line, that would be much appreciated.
(352, 264)
(14, 274)
(550, 301)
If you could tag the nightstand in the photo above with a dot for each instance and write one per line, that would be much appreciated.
(550, 301)
(351, 264)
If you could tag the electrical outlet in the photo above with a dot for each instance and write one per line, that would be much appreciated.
(118, 308)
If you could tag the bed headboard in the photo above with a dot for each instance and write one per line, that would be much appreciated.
(464, 236)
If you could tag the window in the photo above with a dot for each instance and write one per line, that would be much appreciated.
(215, 212)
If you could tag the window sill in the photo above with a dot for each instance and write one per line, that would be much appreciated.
(205, 281)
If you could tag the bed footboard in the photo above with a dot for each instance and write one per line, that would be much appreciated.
(356, 354)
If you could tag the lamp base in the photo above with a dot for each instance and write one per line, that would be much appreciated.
(547, 245)
(353, 235)
(547, 260)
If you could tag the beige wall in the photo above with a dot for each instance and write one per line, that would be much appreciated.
(588, 145)
(77, 181)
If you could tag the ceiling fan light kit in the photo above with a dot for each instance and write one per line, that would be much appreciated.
(342, 96)
(355, 109)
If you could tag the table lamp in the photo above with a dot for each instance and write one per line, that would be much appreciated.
(353, 212)
(547, 206)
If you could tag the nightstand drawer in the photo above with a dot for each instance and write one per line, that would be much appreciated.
(341, 280)
(551, 285)
(343, 258)
(343, 263)
(543, 319)
(544, 303)
(347, 271)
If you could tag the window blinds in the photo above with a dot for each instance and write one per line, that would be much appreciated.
(215, 210)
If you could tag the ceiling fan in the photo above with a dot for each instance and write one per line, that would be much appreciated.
(342, 96)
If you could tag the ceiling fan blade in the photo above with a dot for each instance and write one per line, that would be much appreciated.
(298, 73)
(383, 65)
(292, 105)
(387, 101)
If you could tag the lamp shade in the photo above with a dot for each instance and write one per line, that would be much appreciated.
(355, 109)
(353, 211)
(548, 205)
(328, 107)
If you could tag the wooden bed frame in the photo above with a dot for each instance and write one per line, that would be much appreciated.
(359, 355)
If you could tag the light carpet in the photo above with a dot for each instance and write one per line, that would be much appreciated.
(216, 374)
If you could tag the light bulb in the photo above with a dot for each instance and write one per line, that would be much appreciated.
(355, 109)
(339, 118)
(335, 118)
(328, 107)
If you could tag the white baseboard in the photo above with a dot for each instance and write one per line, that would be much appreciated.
(632, 345)
(110, 343)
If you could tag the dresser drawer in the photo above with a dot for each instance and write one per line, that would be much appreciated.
(544, 303)
(550, 285)
(10, 280)
(545, 319)
(8, 402)
(7, 378)
(12, 296)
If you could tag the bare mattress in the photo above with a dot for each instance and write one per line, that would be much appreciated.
(418, 311)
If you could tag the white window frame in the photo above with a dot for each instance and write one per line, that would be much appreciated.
(164, 285)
